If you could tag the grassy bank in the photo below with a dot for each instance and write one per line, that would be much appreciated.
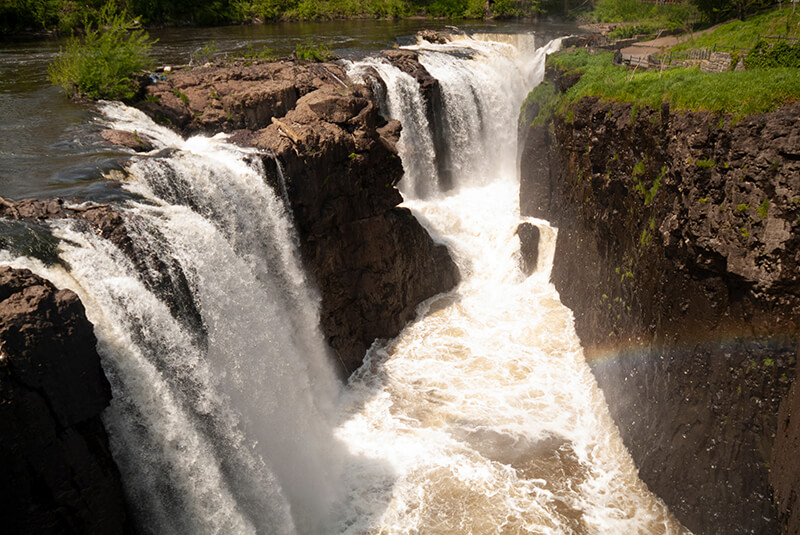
(738, 92)
(745, 34)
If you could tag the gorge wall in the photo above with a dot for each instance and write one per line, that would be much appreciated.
(678, 253)
(57, 467)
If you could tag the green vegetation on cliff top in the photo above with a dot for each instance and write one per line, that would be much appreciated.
(737, 92)
(744, 34)
(647, 16)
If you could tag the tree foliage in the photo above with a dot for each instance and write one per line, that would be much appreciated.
(64, 15)
(718, 10)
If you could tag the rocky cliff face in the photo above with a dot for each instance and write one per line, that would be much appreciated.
(677, 252)
(336, 159)
(54, 448)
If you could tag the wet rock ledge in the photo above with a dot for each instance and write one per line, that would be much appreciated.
(371, 260)
(678, 251)
(58, 473)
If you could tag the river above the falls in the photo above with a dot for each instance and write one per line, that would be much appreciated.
(52, 146)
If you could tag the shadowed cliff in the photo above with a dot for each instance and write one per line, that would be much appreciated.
(677, 252)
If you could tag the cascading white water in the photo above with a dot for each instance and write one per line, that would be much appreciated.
(404, 102)
(484, 411)
(228, 430)
(481, 417)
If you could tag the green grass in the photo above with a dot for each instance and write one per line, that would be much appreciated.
(744, 34)
(544, 95)
(739, 92)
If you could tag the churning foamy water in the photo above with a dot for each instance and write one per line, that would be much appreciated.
(481, 417)
(484, 410)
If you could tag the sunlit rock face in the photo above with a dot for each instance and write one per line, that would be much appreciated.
(677, 252)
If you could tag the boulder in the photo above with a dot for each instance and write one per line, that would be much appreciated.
(528, 234)
(129, 140)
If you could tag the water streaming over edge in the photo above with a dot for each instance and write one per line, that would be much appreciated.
(481, 417)
(485, 408)
(227, 430)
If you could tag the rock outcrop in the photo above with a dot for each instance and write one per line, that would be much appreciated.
(529, 236)
(54, 453)
(785, 468)
(337, 162)
(678, 251)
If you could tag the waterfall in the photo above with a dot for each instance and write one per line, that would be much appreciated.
(227, 430)
(481, 417)
(484, 408)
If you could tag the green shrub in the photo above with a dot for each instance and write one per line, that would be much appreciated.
(781, 54)
(763, 209)
(626, 32)
(204, 54)
(104, 63)
(311, 52)
(252, 53)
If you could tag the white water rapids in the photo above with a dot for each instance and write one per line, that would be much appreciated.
(481, 417)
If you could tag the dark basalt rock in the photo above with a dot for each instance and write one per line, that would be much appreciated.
(54, 448)
(678, 253)
(529, 247)
(785, 467)
(372, 262)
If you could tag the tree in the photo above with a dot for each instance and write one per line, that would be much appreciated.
(717, 10)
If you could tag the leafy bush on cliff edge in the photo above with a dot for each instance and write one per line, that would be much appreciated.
(104, 63)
